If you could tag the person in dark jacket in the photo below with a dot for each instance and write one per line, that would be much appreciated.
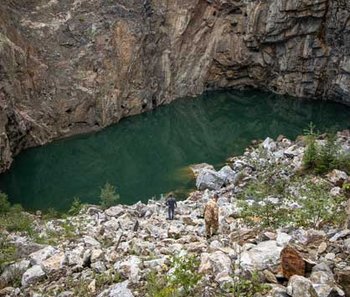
(171, 203)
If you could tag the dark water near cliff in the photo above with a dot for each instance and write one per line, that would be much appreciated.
(148, 154)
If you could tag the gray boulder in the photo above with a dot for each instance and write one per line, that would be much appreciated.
(323, 281)
(277, 291)
(117, 290)
(32, 276)
(13, 270)
(54, 263)
(227, 174)
(299, 286)
(115, 211)
(209, 179)
(217, 263)
(262, 256)
(197, 168)
(269, 144)
(130, 268)
(39, 256)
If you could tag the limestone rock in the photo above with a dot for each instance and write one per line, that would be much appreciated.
(343, 279)
(32, 275)
(263, 256)
(322, 248)
(269, 144)
(53, 263)
(75, 257)
(130, 268)
(337, 177)
(227, 174)
(209, 179)
(340, 235)
(13, 271)
(117, 290)
(98, 267)
(91, 242)
(270, 277)
(197, 168)
(115, 211)
(283, 239)
(174, 231)
(154, 263)
(278, 291)
(37, 257)
(218, 263)
(299, 286)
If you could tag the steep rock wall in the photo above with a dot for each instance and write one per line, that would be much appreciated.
(67, 66)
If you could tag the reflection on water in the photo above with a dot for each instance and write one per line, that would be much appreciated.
(148, 154)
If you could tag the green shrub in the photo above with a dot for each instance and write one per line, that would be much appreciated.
(324, 158)
(157, 286)
(4, 203)
(51, 214)
(264, 214)
(7, 252)
(107, 279)
(15, 220)
(247, 286)
(317, 206)
(311, 151)
(343, 162)
(346, 188)
(108, 196)
(181, 282)
(327, 158)
(76, 207)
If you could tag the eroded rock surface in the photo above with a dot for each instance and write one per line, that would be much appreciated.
(67, 67)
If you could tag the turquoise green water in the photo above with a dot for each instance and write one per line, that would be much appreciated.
(148, 154)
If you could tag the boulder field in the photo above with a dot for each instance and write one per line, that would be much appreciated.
(123, 245)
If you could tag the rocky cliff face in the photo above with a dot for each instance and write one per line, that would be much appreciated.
(72, 66)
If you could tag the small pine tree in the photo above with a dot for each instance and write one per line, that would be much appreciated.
(108, 196)
(75, 207)
(327, 155)
(311, 151)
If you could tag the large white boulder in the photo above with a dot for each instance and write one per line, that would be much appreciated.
(218, 264)
(129, 268)
(209, 179)
(227, 174)
(263, 256)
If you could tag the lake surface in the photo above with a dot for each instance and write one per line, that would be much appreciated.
(149, 154)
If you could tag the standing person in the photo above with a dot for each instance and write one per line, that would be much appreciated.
(171, 203)
(211, 216)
